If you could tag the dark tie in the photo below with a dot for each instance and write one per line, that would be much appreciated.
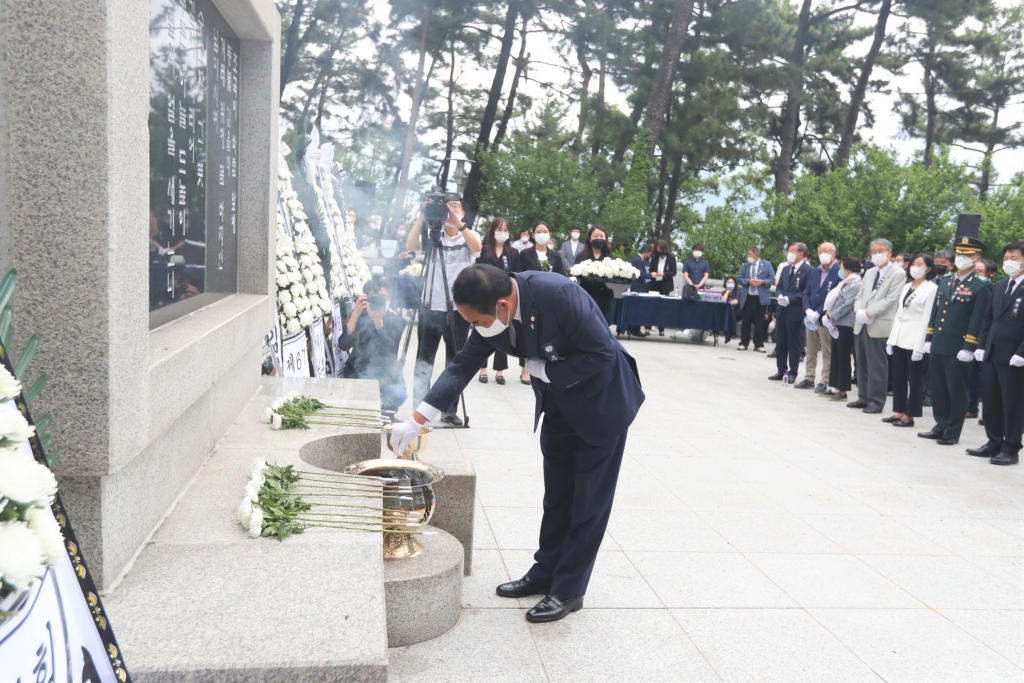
(1012, 289)
(517, 338)
(878, 280)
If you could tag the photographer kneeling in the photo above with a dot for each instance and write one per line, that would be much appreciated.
(371, 336)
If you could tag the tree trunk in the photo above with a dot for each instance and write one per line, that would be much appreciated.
(469, 200)
(510, 104)
(857, 98)
(661, 90)
(449, 140)
(291, 44)
(322, 79)
(595, 144)
(662, 179)
(784, 169)
(410, 134)
(584, 92)
(931, 108)
(986, 162)
(673, 195)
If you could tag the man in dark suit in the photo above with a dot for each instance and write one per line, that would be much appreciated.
(819, 341)
(1001, 354)
(588, 388)
(789, 314)
(641, 262)
(756, 276)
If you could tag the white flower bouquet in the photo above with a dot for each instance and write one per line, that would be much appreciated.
(301, 287)
(412, 270)
(295, 411)
(608, 270)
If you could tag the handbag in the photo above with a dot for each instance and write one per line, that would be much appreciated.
(690, 293)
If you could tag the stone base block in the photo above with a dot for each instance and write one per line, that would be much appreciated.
(423, 595)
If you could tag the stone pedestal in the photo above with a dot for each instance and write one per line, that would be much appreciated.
(423, 594)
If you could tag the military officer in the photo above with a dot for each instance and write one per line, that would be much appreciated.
(952, 337)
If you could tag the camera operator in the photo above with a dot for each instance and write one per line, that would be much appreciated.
(458, 247)
(371, 337)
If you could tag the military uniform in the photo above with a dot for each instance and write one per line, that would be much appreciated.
(957, 316)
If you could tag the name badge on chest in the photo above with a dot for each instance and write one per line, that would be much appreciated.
(1016, 307)
(550, 353)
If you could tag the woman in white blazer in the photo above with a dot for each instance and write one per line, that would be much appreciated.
(906, 343)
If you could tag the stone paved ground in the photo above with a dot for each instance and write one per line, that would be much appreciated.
(759, 534)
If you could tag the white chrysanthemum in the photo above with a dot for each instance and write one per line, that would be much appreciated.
(317, 269)
(293, 326)
(294, 277)
(306, 318)
(259, 465)
(9, 386)
(284, 296)
(244, 512)
(267, 416)
(277, 403)
(292, 395)
(307, 275)
(306, 261)
(23, 480)
(257, 480)
(41, 521)
(298, 291)
(281, 266)
(316, 311)
(291, 262)
(256, 522)
(13, 424)
(283, 281)
(289, 309)
(276, 424)
(22, 555)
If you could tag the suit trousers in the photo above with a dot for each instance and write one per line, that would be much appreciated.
(872, 369)
(841, 368)
(579, 486)
(1004, 405)
(752, 317)
(909, 378)
(500, 362)
(949, 380)
(788, 345)
(974, 395)
(818, 340)
(435, 326)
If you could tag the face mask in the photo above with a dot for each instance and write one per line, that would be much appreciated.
(918, 272)
(750, 259)
(731, 286)
(963, 262)
(842, 274)
(500, 237)
(1012, 268)
(880, 259)
(698, 254)
(825, 259)
(941, 269)
(496, 328)
(790, 257)
(575, 237)
(524, 238)
(541, 239)
(598, 245)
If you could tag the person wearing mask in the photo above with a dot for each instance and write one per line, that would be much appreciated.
(789, 313)
(497, 252)
(588, 389)
(1001, 355)
(906, 343)
(943, 263)
(875, 310)
(458, 247)
(542, 256)
(371, 337)
(524, 240)
(641, 262)
(696, 270)
(572, 248)
(597, 248)
(838, 318)
(755, 295)
(819, 341)
(731, 296)
(989, 269)
(663, 273)
(952, 338)
(902, 260)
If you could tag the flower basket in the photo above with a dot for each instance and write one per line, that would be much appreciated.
(618, 288)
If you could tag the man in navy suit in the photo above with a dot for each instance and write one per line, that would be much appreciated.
(1001, 353)
(789, 313)
(755, 281)
(588, 388)
(641, 262)
(819, 284)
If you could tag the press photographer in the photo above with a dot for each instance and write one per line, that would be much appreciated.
(450, 242)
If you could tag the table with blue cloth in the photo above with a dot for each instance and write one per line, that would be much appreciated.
(406, 291)
(677, 314)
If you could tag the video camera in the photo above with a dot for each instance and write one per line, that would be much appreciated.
(435, 210)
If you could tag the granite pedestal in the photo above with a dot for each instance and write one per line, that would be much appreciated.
(424, 593)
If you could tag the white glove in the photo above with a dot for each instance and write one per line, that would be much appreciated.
(403, 434)
(916, 356)
(965, 356)
(862, 317)
(782, 300)
(812, 315)
(979, 355)
(1017, 361)
(888, 349)
(927, 347)
(535, 366)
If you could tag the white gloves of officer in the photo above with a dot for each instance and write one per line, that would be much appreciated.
(812, 315)
(888, 349)
(862, 317)
(965, 356)
(1017, 361)
(979, 355)
(916, 356)
(782, 300)
(403, 434)
(927, 347)
(535, 366)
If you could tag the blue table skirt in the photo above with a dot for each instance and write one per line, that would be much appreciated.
(677, 314)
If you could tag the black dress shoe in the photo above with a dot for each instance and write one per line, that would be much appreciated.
(1004, 459)
(987, 451)
(891, 419)
(872, 411)
(857, 404)
(452, 418)
(553, 608)
(930, 434)
(523, 588)
(499, 379)
(903, 422)
(483, 379)
(948, 442)
(777, 376)
(806, 384)
(772, 355)
(971, 416)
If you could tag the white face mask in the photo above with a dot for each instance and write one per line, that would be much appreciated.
(575, 237)
(698, 254)
(500, 237)
(825, 258)
(541, 238)
(963, 262)
(731, 286)
(918, 272)
(790, 257)
(496, 328)
(880, 259)
(750, 259)
(1012, 268)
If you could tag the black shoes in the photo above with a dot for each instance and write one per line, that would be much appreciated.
(499, 379)
(777, 376)
(891, 419)
(971, 416)
(872, 411)
(857, 404)
(772, 354)
(948, 442)
(483, 379)
(553, 608)
(1004, 459)
(806, 384)
(821, 389)
(930, 434)
(452, 418)
(903, 422)
(987, 451)
(523, 588)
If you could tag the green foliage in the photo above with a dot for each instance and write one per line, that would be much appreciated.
(627, 215)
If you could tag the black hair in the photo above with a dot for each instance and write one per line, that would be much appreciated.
(697, 247)
(1014, 246)
(944, 253)
(539, 223)
(929, 264)
(480, 286)
(576, 228)
(755, 249)
(646, 249)
(852, 264)
(991, 268)
(376, 283)
(490, 245)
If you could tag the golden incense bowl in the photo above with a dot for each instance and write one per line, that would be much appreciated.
(418, 445)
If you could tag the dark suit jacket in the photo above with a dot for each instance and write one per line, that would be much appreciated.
(528, 261)
(1002, 331)
(667, 284)
(509, 256)
(644, 266)
(791, 284)
(816, 291)
(594, 381)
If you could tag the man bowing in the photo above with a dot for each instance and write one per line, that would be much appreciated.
(588, 388)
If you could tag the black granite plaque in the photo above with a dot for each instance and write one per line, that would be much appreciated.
(193, 152)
